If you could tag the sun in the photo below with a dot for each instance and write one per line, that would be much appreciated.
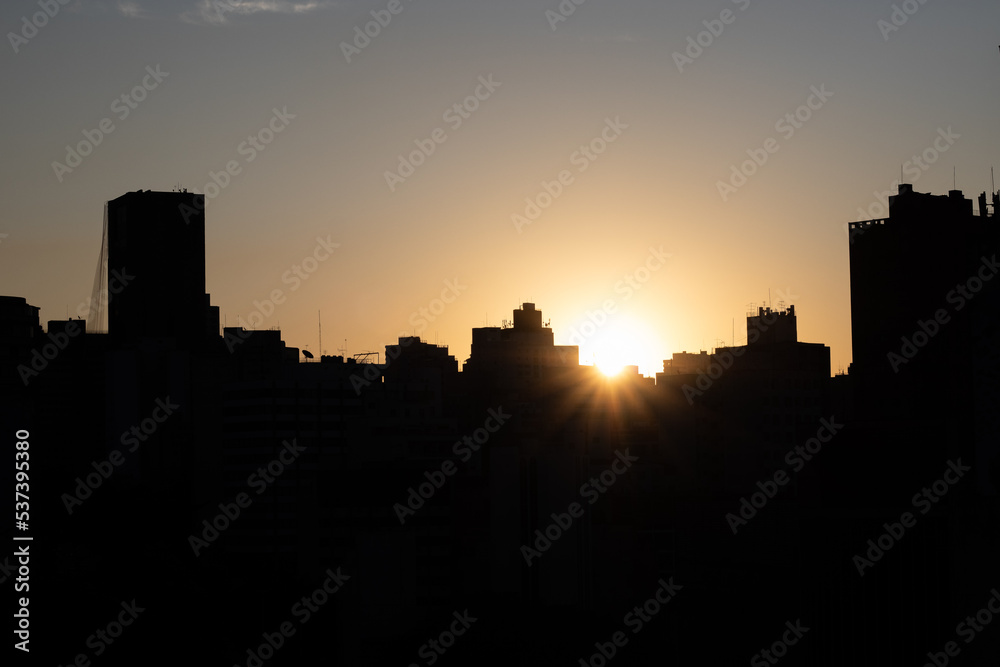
(622, 341)
(610, 364)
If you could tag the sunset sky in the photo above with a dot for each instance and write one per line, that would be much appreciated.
(613, 122)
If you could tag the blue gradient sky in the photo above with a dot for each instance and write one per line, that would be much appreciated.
(655, 186)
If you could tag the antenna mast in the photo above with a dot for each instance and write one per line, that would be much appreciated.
(319, 316)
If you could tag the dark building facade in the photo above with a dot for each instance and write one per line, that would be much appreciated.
(925, 319)
(544, 499)
(156, 252)
(923, 304)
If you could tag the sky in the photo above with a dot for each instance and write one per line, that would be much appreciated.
(644, 172)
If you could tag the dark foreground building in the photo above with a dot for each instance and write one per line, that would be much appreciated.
(923, 444)
(239, 505)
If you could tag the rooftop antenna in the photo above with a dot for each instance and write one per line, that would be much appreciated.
(319, 316)
(343, 349)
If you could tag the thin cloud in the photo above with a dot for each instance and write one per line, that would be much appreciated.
(131, 10)
(219, 12)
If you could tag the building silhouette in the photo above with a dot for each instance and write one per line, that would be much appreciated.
(920, 310)
(156, 243)
(387, 485)
(923, 390)
(522, 350)
(20, 332)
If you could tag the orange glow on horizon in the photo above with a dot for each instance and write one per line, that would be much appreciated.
(622, 341)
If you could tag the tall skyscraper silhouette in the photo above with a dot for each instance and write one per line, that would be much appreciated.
(156, 252)
(925, 312)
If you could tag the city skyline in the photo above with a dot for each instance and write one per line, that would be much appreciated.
(305, 146)
(526, 486)
(314, 320)
(590, 328)
(114, 277)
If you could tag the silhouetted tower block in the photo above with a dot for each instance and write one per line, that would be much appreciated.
(66, 327)
(519, 352)
(19, 328)
(772, 326)
(157, 241)
(413, 355)
(686, 363)
(924, 304)
(527, 317)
